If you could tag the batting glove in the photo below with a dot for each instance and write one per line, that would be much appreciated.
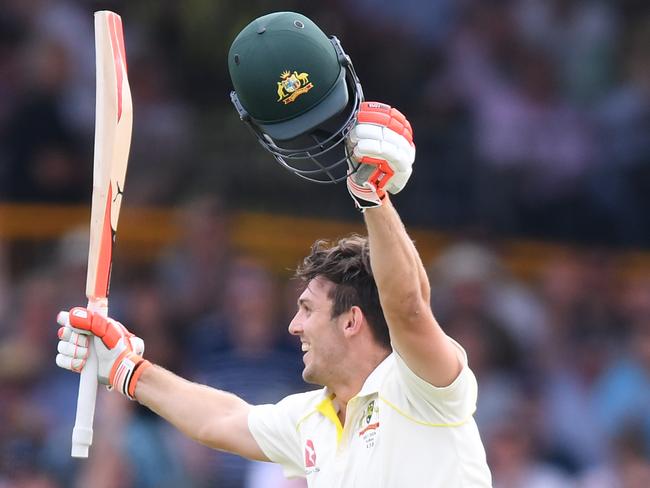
(119, 352)
(381, 154)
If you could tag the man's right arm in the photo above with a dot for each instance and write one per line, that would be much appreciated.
(212, 417)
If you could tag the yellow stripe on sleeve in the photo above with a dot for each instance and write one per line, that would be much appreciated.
(420, 422)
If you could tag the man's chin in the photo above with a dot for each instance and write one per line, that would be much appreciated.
(309, 377)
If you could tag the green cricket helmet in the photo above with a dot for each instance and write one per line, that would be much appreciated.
(297, 90)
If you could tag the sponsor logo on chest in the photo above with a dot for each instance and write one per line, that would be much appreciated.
(310, 458)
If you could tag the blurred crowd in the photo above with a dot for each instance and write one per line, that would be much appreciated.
(531, 117)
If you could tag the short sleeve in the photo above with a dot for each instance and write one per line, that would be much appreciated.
(450, 404)
(274, 429)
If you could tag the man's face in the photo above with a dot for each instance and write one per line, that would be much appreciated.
(321, 336)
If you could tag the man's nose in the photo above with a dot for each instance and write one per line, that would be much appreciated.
(294, 326)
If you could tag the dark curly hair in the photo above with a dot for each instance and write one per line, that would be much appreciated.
(347, 265)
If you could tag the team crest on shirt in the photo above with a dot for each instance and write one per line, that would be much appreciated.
(292, 85)
(369, 425)
(310, 458)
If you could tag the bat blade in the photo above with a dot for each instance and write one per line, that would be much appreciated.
(113, 125)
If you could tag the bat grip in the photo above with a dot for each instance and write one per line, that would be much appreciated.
(82, 434)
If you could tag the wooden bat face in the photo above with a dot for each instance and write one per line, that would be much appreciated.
(113, 124)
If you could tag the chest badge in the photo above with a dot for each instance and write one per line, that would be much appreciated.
(369, 425)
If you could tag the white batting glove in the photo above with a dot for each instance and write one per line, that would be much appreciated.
(382, 152)
(119, 352)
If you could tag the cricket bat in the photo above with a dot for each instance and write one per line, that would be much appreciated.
(113, 124)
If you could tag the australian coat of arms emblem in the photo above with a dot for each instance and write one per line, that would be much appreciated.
(292, 85)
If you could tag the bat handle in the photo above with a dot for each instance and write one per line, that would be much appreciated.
(82, 434)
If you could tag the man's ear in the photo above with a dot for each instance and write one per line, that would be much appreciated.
(353, 321)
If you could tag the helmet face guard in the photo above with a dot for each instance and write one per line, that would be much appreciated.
(319, 155)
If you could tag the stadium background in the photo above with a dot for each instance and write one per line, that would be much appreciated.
(529, 202)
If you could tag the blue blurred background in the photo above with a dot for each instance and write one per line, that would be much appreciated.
(529, 202)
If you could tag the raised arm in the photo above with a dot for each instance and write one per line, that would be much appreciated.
(382, 144)
(404, 293)
(212, 417)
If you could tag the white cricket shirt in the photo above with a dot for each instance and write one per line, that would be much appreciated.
(400, 432)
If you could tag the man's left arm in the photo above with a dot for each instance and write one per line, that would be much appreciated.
(405, 293)
(382, 145)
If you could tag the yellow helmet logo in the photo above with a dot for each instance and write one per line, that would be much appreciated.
(292, 85)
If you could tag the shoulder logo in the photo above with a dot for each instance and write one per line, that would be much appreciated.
(292, 85)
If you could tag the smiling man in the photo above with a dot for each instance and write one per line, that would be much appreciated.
(398, 397)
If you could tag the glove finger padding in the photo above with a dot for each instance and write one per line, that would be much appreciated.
(72, 350)
(381, 142)
(68, 334)
(382, 152)
(70, 363)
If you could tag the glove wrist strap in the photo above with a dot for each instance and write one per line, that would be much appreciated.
(123, 374)
(364, 196)
(139, 369)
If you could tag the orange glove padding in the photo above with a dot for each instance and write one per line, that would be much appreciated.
(119, 352)
(382, 152)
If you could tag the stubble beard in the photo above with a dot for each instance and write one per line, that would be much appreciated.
(323, 372)
(310, 376)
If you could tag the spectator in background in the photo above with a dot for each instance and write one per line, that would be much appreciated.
(42, 148)
(532, 145)
(163, 124)
(621, 177)
(427, 22)
(192, 271)
(530, 138)
(240, 350)
(628, 467)
(577, 348)
(68, 25)
(470, 278)
(71, 263)
(47, 81)
(580, 36)
(22, 351)
(515, 457)
(622, 392)
(31, 411)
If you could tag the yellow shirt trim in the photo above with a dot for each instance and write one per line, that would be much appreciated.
(326, 407)
(420, 422)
